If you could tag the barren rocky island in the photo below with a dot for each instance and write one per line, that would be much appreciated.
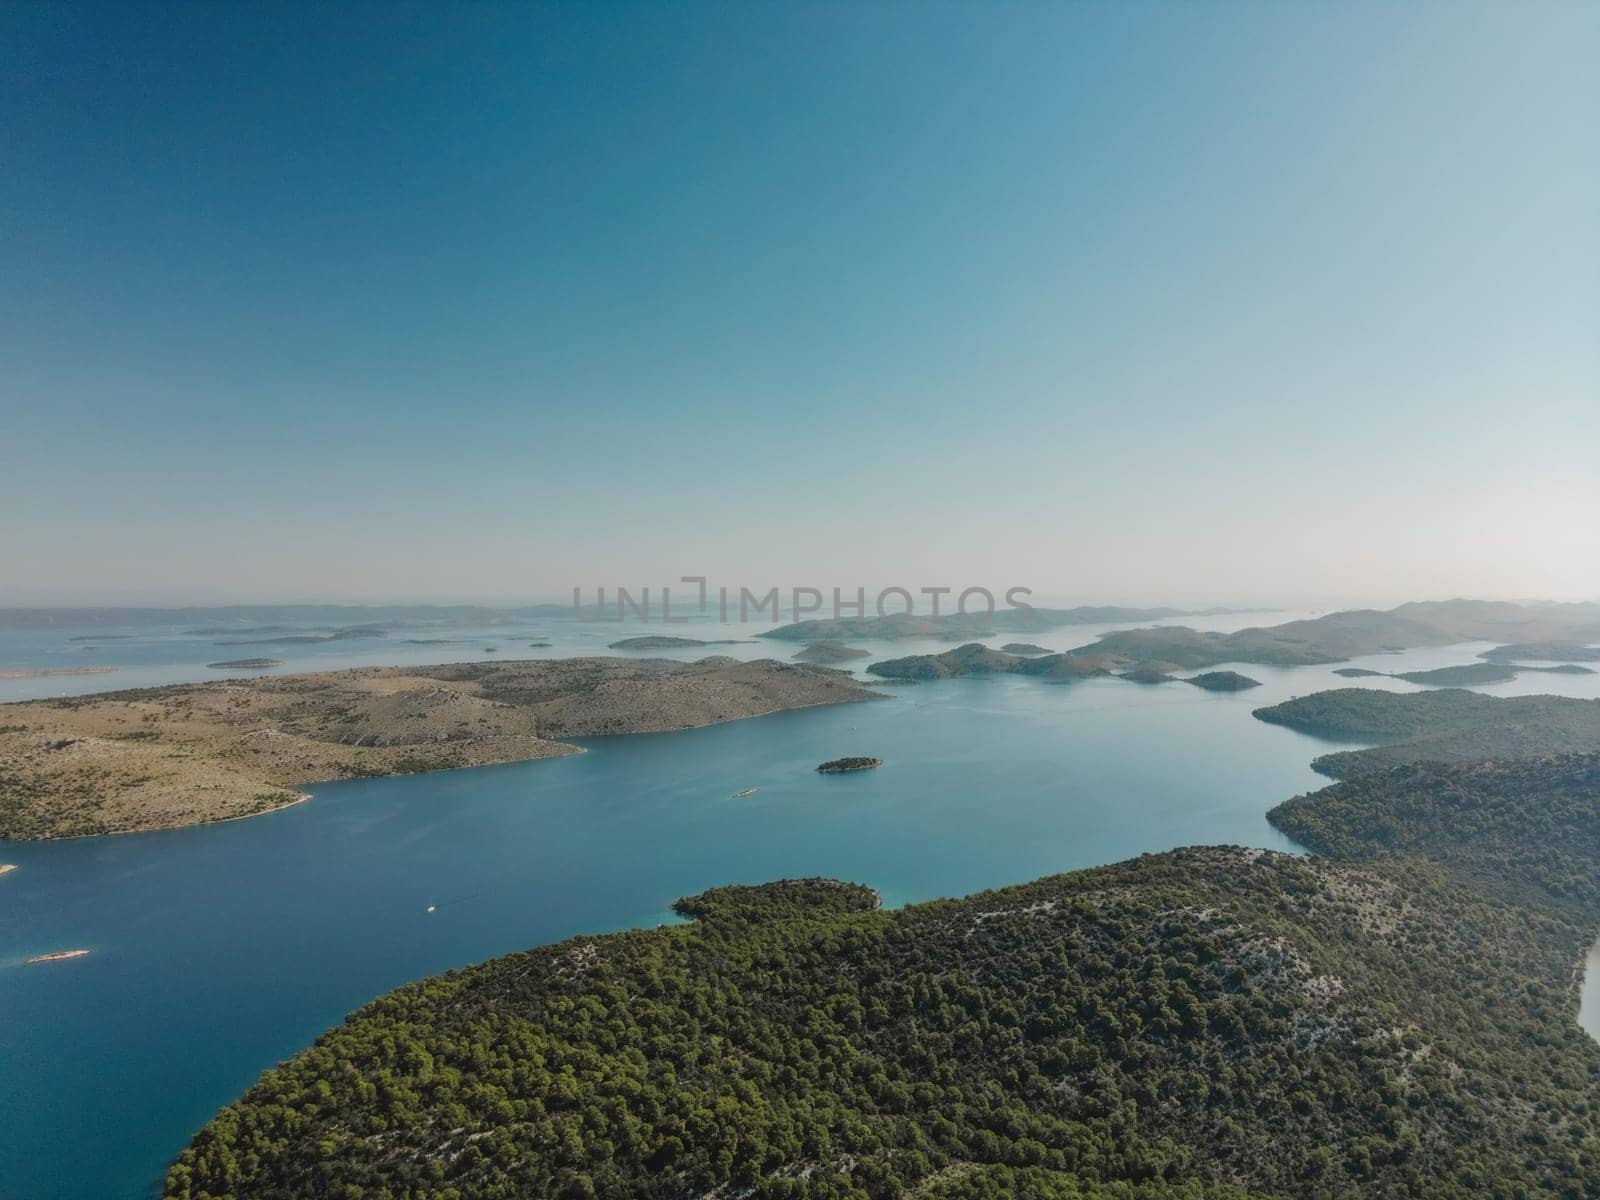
(157, 758)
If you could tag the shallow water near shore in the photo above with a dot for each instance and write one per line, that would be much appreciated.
(217, 951)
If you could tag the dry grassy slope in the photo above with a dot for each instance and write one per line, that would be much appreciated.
(163, 757)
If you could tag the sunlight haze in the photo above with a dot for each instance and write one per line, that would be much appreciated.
(1168, 303)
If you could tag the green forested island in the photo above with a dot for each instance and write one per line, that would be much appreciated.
(977, 659)
(829, 652)
(1207, 1023)
(1469, 675)
(1560, 652)
(1526, 829)
(1223, 681)
(1450, 725)
(1343, 635)
(661, 642)
(1146, 654)
(839, 766)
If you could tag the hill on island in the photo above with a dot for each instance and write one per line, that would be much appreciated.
(1449, 726)
(662, 642)
(1560, 652)
(1223, 681)
(827, 652)
(1469, 675)
(1206, 1023)
(971, 625)
(1026, 649)
(1344, 635)
(978, 659)
(1527, 829)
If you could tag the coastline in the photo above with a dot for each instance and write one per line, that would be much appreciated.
(569, 749)
(555, 749)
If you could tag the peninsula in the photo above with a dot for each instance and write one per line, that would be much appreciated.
(155, 758)
(1560, 652)
(1449, 726)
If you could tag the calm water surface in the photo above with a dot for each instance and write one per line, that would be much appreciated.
(220, 950)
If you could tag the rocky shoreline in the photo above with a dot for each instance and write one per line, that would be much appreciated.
(158, 758)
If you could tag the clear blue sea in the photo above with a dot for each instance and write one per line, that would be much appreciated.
(218, 951)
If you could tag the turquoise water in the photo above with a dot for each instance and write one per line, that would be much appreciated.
(220, 950)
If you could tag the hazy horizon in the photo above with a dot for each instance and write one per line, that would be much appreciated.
(683, 602)
(1246, 305)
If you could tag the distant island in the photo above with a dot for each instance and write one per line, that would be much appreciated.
(1344, 635)
(45, 672)
(660, 642)
(1450, 726)
(353, 633)
(1025, 649)
(1147, 674)
(243, 619)
(1223, 681)
(1562, 652)
(246, 664)
(826, 652)
(1467, 676)
(153, 758)
(1152, 655)
(978, 659)
(972, 625)
(838, 766)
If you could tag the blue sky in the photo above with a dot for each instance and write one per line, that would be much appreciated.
(1234, 302)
